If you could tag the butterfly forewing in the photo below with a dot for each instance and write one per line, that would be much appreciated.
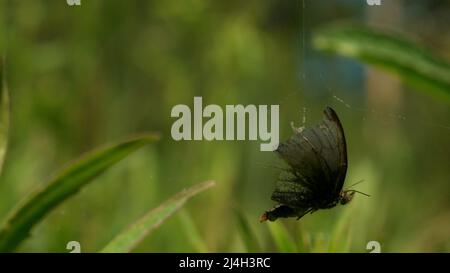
(334, 123)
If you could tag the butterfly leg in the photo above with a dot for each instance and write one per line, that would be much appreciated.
(311, 210)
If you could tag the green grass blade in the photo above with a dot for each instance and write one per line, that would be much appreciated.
(248, 236)
(131, 236)
(341, 236)
(65, 184)
(192, 233)
(320, 243)
(283, 241)
(415, 65)
(4, 115)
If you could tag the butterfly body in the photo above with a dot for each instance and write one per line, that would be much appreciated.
(317, 160)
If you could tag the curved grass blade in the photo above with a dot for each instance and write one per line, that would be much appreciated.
(415, 65)
(341, 234)
(248, 236)
(65, 184)
(192, 233)
(283, 240)
(4, 115)
(131, 236)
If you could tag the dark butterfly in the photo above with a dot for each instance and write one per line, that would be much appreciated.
(317, 159)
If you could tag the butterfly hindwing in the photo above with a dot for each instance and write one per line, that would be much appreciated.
(289, 193)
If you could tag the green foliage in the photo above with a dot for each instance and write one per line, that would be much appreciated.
(341, 236)
(282, 238)
(131, 236)
(406, 59)
(248, 235)
(192, 233)
(4, 115)
(67, 183)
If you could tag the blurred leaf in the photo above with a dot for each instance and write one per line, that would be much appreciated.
(341, 236)
(192, 234)
(65, 184)
(303, 239)
(282, 238)
(248, 236)
(4, 115)
(413, 64)
(321, 243)
(307, 242)
(131, 236)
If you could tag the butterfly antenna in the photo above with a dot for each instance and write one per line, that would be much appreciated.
(360, 192)
(360, 181)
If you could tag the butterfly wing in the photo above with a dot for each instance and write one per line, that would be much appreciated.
(317, 158)
(334, 124)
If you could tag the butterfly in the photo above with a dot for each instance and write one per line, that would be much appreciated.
(317, 160)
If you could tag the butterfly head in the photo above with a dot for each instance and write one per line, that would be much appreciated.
(346, 196)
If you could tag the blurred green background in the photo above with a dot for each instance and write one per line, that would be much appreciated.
(83, 76)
